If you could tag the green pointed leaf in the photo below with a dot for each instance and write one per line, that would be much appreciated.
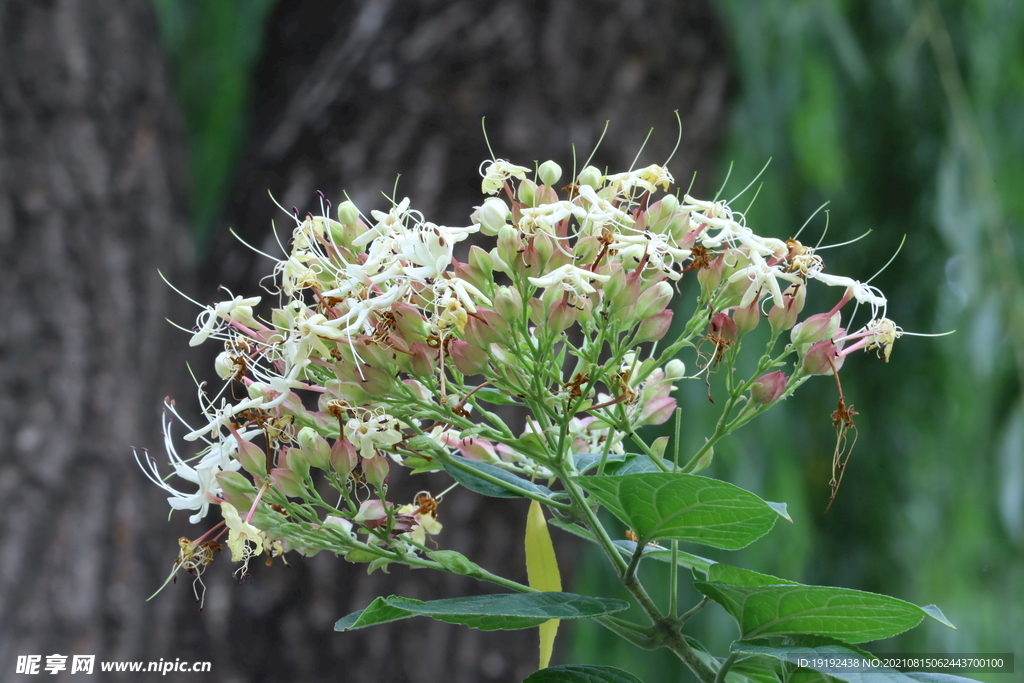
(627, 548)
(809, 648)
(588, 461)
(935, 613)
(667, 505)
(496, 397)
(577, 673)
(485, 612)
(513, 484)
(765, 605)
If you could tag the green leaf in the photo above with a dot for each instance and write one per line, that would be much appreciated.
(588, 461)
(809, 649)
(633, 464)
(495, 397)
(542, 570)
(485, 612)
(627, 548)
(765, 605)
(512, 482)
(687, 507)
(577, 673)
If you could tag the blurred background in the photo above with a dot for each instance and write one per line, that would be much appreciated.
(134, 133)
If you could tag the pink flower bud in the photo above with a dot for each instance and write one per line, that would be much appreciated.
(478, 449)
(654, 299)
(468, 359)
(294, 459)
(723, 327)
(317, 450)
(768, 388)
(509, 245)
(654, 328)
(252, 457)
(485, 327)
(236, 489)
(816, 359)
(409, 323)
(782, 319)
(287, 482)
(371, 514)
(344, 457)
(561, 316)
(376, 470)
(508, 303)
(747, 318)
(423, 359)
(657, 411)
(711, 277)
(471, 274)
(816, 328)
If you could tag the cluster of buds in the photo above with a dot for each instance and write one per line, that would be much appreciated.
(383, 349)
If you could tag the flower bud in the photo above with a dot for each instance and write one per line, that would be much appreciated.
(545, 247)
(657, 411)
(711, 276)
(287, 482)
(316, 448)
(481, 260)
(527, 188)
(252, 457)
(654, 328)
(549, 173)
(409, 322)
(492, 215)
(561, 316)
(509, 245)
(348, 214)
(376, 470)
(344, 457)
(294, 459)
(816, 328)
(590, 176)
(371, 514)
(654, 299)
(723, 327)
(236, 489)
(675, 369)
(485, 327)
(768, 388)
(747, 318)
(508, 303)
(816, 360)
(469, 360)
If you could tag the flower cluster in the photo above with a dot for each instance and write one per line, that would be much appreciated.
(383, 349)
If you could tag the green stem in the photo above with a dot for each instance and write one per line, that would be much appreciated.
(692, 611)
(673, 581)
(726, 665)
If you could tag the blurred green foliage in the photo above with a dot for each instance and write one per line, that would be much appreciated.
(908, 117)
(213, 45)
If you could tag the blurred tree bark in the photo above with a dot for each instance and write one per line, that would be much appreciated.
(92, 202)
(350, 94)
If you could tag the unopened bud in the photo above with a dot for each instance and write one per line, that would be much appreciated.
(590, 176)
(469, 360)
(508, 303)
(316, 448)
(654, 299)
(723, 327)
(816, 328)
(236, 489)
(675, 369)
(348, 214)
(371, 514)
(509, 245)
(561, 316)
(768, 388)
(527, 188)
(287, 482)
(375, 470)
(492, 215)
(747, 318)
(344, 457)
(654, 328)
(549, 173)
(821, 359)
(294, 459)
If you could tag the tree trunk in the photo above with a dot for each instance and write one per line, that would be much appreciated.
(92, 203)
(348, 96)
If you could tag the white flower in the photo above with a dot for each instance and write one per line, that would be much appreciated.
(574, 280)
(497, 172)
(241, 534)
(373, 429)
(862, 292)
(211, 320)
(762, 275)
(647, 178)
